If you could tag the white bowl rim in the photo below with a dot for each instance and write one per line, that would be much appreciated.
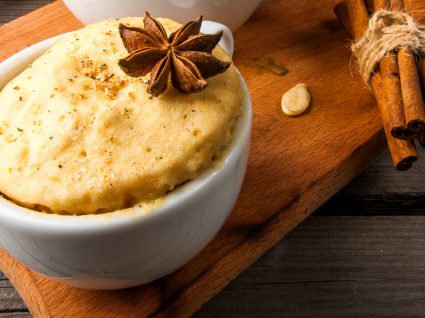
(94, 223)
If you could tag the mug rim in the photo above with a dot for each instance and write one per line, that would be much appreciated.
(25, 217)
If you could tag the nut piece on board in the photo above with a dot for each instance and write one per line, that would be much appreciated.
(296, 100)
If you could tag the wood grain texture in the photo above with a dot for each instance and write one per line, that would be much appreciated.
(48, 21)
(334, 267)
(381, 191)
(10, 300)
(295, 164)
(12, 9)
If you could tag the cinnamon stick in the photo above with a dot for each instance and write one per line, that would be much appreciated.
(403, 81)
(422, 139)
(411, 95)
(422, 80)
(397, 5)
(380, 5)
(359, 21)
(403, 152)
(414, 110)
(393, 96)
(422, 74)
(392, 85)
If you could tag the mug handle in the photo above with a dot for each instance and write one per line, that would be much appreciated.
(226, 41)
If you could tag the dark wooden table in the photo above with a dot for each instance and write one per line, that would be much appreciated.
(362, 254)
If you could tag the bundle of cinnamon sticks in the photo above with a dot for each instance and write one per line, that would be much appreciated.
(398, 83)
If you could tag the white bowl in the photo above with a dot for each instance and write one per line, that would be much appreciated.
(232, 13)
(124, 249)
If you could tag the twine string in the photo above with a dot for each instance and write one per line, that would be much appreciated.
(387, 31)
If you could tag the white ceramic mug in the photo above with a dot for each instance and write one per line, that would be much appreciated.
(232, 13)
(118, 250)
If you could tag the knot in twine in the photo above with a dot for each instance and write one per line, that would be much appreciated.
(387, 31)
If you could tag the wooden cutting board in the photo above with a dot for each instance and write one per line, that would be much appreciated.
(295, 164)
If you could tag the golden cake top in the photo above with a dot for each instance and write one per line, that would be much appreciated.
(79, 136)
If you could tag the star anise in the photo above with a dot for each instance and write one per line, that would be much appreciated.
(186, 54)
